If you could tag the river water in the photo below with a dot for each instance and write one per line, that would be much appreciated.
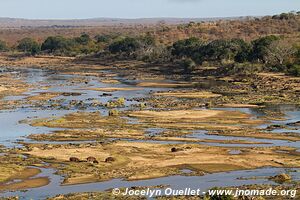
(47, 81)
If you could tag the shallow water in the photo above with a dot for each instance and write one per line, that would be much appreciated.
(267, 142)
(9, 119)
(235, 178)
(291, 112)
(11, 130)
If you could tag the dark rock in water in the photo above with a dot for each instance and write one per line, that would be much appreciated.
(106, 94)
(294, 124)
(71, 94)
(275, 126)
(110, 159)
(74, 159)
(281, 178)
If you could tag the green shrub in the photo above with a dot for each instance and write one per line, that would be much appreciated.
(126, 45)
(241, 69)
(57, 44)
(29, 45)
(294, 70)
(84, 39)
(3, 46)
(188, 65)
(261, 47)
(187, 47)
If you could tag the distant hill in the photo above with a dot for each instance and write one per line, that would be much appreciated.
(18, 22)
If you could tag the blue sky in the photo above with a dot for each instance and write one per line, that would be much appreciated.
(70, 9)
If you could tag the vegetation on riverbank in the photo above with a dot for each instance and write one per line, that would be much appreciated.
(179, 86)
(279, 52)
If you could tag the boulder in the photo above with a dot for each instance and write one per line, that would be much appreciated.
(74, 159)
(281, 178)
(110, 159)
(174, 149)
(91, 159)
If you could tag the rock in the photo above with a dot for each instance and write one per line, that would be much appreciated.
(294, 123)
(95, 162)
(174, 149)
(208, 105)
(74, 159)
(91, 159)
(281, 178)
(110, 159)
(70, 94)
(275, 126)
(106, 94)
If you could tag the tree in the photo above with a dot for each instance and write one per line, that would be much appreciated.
(242, 51)
(294, 70)
(3, 46)
(147, 47)
(29, 45)
(187, 47)
(261, 48)
(298, 55)
(57, 44)
(279, 51)
(126, 45)
(159, 53)
(102, 38)
(285, 16)
(222, 49)
(84, 39)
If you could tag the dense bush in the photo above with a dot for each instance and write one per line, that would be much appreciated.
(57, 44)
(84, 39)
(216, 50)
(294, 70)
(261, 48)
(125, 45)
(270, 53)
(102, 38)
(29, 45)
(188, 65)
(3, 46)
(187, 47)
(106, 38)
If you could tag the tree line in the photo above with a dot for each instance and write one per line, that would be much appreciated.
(274, 53)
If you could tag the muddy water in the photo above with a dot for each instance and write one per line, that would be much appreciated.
(48, 81)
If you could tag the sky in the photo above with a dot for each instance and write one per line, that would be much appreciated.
(83, 9)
